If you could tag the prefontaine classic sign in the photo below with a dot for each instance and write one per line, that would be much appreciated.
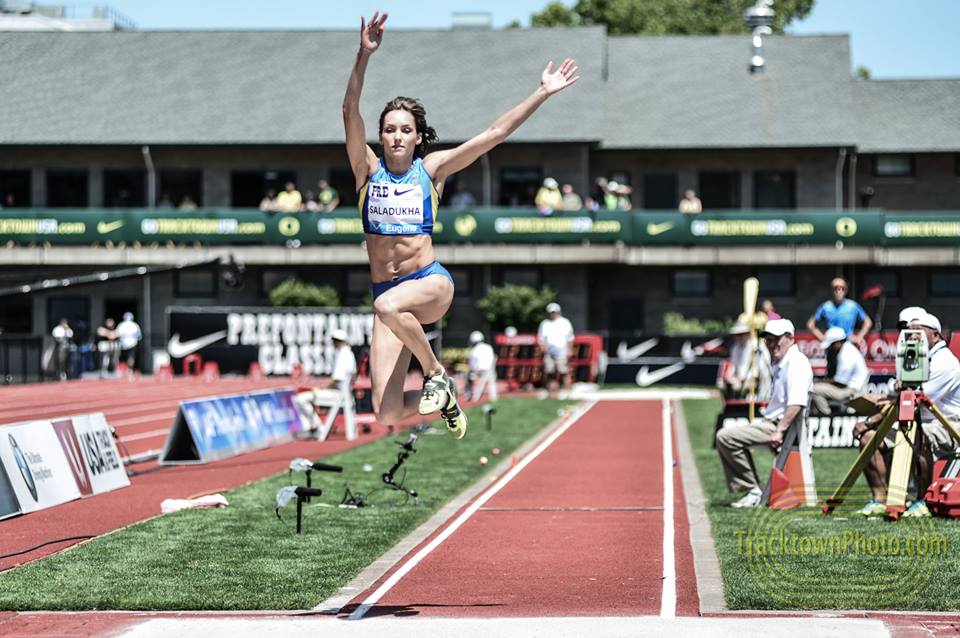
(276, 338)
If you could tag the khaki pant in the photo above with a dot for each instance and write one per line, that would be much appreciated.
(733, 445)
(824, 391)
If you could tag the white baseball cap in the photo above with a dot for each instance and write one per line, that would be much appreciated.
(550, 183)
(339, 335)
(553, 307)
(476, 336)
(833, 335)
(779, 327)
(928, 321)
(913, 312)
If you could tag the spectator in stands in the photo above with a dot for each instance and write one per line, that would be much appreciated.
(129, 336)
(462, 198)
(842, 312)
(269, 202)
(618, 196)
(482, 369)
(289, 199)
(599, 193)
(165, 201)
(943, 389)
(791, 392)
(62, 333)
(310, 203)
(766, 306)
(690, 204)
(327, 197)
(555, 337)
(187, 204)
(108, 346)
(548, 198)
(571, 201)
(847, 372)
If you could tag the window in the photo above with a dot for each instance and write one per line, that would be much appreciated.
(463, 281)
(195, 282)
(270, 279)
(887, 280)
(660, 191)
(16, 315)
(776, 283)
(945, 283)
(15, 191)
(720, 190)
(519, 185)
(359, 284)
(342, 181)
(176, 185)
(67, 189)
(893, 166)
(956, 164)
(522, 277)
(76, 310)
(691, 283)
(125, 189)
(247, 188)
(773, 189)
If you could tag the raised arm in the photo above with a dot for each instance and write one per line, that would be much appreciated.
(442, 164)
(362, 158)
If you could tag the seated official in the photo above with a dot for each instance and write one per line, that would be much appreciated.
(792, 381)
(847, 371)
(942, 388)
(341, 390)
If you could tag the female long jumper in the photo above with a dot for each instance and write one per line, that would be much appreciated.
(399, 194)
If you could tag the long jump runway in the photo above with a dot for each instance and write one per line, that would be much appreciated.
(583, 529)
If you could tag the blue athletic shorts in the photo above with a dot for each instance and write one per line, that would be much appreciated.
(433, 269)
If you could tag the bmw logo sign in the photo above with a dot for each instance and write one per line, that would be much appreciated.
(24, 468)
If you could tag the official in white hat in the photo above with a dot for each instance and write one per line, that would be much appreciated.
(555, 337)
(791, 392)
(482, 369)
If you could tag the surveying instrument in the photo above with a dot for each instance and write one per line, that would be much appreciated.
(912, 370)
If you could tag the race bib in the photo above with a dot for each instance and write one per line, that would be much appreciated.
(395, 208)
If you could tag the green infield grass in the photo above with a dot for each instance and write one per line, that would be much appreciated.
(243, 557)
(802, 559)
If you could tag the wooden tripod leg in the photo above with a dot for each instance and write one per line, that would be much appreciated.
(900, 467)
(889, 418)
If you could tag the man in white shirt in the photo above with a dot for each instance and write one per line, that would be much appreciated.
(555, 336)
(943, 389)
(62, 333)
(850, 376)
(792, 382)
(339, 394)
(482, 374)
(129, 336)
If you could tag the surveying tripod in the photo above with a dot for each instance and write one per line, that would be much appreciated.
(905, 412)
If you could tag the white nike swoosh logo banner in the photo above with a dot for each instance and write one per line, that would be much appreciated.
(629, 354)
(179, 349)
(646, 378)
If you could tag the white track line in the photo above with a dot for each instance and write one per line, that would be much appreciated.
(388, 584)
(668, 598)
(144, 435)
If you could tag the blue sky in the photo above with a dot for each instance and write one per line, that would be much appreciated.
(893, 38)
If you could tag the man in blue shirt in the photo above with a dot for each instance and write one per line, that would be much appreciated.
(840, 312)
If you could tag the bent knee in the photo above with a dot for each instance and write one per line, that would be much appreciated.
(384, 307)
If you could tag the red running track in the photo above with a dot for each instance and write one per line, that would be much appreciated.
(578, 532)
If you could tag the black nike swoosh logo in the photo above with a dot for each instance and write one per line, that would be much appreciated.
(397, 192)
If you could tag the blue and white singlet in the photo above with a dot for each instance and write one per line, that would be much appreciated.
(398, 204)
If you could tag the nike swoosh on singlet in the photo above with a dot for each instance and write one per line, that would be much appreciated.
(179, 349)
(397, 192)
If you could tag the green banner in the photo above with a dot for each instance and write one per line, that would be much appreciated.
(483, 226)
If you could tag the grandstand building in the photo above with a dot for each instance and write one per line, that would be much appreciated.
(110, 125)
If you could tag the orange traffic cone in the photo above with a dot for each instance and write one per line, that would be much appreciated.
(792, 485)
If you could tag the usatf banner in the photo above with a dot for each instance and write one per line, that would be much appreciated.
(278, 339)
(214, 428)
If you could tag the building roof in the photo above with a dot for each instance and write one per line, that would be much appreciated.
(908, 115)
(286, 87)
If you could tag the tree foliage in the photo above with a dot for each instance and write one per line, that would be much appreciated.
(520, 306)
(667, 17)
(296, 293)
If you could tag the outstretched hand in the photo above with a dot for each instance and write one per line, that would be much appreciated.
(554, 81)
(371, 35)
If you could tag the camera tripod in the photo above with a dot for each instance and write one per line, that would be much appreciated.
(905, 412)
